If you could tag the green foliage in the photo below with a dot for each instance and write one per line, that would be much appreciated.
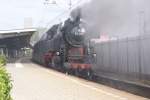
(5, 82)
(2, 60)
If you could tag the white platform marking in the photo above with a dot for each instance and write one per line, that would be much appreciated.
(19, 65)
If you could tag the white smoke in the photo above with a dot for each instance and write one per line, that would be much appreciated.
(117, 17)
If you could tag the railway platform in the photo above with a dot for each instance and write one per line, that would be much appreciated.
(136, 86)
(34, 82)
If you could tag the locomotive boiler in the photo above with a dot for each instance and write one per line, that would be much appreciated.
(64, 48)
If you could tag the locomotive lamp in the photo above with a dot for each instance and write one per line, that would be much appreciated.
(95, 57)
(57, 53)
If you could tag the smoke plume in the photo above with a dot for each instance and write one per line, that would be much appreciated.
(116, 18)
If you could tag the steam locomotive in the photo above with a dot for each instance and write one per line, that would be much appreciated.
(64, 48)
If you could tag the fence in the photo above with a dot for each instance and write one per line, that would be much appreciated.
(127, 57)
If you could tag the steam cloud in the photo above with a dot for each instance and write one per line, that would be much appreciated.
(116, 17)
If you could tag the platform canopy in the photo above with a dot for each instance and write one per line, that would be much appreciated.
(17, 32)
(12, 41)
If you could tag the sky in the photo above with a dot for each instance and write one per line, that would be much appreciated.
(13, 12)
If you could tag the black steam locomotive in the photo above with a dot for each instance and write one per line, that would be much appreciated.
(64, 48)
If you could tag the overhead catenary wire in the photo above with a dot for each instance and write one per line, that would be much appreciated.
(42, 14)
(51, 22)
(66, 11)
